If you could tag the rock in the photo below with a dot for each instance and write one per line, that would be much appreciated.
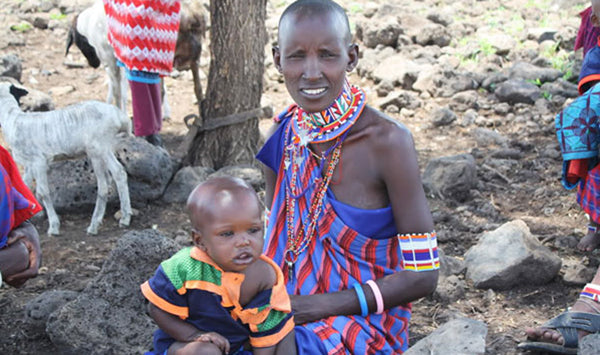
(443, 117)
(184, 182)
(541, 34)
(39, 309)
(400, 99)
(61, 90)
(578, 274)
(451, 177)
(589, 345)
(384, 32)
(11, 66)
(526, 71)
(504, 258)
(450, 289)
(73, 184)
(109, 316)
(560, 88)
(251, 174)
(465, 100)
(517, 91)
(433, 34)
(450, 265)
(399, 70)
(459, 336)
(148, 167)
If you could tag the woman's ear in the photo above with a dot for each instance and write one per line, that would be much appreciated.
(352, 57)
(276, 57)
(595, 20)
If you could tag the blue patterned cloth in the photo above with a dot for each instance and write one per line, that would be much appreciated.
(578, 131)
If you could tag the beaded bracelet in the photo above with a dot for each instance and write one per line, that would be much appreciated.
(360, 293)
(592, 292)
(377, 295)
(419, 251)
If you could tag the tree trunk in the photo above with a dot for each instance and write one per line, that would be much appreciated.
(238, 38)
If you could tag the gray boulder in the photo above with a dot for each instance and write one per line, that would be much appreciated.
(517, 91)
(451, 177)
(458, 336)
(184, 182)
(109, 315)
(505, 258)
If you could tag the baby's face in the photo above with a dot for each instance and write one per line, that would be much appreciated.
(232, 232)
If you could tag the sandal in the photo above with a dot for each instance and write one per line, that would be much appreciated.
(567, 323)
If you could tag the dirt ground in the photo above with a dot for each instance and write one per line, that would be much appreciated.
(530, 191)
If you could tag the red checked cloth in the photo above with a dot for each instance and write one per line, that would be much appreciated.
(143, 33)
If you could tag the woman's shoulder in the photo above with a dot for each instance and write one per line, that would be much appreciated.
(382, 130)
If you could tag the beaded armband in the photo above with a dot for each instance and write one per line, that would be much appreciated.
(592, 292)
(419, 251)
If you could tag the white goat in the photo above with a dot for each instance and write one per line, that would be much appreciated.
(90, 127)
(89, 33)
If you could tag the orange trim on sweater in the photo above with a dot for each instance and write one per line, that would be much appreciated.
(585, 80)
(182, 312)
(273, 339)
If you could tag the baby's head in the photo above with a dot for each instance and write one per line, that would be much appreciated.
(227, 224)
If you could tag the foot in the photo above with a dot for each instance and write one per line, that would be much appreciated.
(553, 336)
(591, 240)
(154, 139)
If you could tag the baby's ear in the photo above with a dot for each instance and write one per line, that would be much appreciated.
(197, 239)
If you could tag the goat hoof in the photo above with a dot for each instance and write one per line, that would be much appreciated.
(53, 231)
(92, 230)
(124, 222)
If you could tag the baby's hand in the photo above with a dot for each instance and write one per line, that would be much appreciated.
(216, 339)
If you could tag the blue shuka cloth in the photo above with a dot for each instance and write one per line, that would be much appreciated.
(577, 130)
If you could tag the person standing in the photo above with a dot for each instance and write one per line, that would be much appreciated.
(143, 34)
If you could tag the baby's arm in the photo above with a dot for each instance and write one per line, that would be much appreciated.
(184, 332)
(287, 346)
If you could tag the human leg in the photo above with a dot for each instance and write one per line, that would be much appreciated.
(585, 311)
(145, 99)
(591, 240)
(13, 259)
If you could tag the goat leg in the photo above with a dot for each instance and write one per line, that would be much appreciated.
(102, 195)
(119, 174)
(40, 173)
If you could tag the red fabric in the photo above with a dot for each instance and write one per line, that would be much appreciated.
(143, 33)
(576, 170)
(13, 172)
(147, 114)
(587, 35)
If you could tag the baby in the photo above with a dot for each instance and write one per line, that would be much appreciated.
(216, 295)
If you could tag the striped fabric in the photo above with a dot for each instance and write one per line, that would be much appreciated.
(21, 215)
(592, 292)
(588, 192)
(143, 33)
(10, 201)
(337, 258)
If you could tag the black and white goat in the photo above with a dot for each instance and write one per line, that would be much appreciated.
(89, 33)
(37, 138)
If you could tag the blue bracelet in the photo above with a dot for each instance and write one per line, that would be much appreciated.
(360, 293)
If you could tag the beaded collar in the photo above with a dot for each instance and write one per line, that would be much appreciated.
(331, 123)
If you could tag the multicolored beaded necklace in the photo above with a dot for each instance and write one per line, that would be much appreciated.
(333, 123)
(319, 127)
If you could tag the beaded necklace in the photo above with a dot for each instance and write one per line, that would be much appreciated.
(305, 130)
(324, 126)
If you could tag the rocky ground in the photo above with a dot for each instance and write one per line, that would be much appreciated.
(484, 78)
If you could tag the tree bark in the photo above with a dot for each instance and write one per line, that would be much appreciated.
(238, 38)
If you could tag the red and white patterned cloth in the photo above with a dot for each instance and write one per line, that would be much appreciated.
(143, 33)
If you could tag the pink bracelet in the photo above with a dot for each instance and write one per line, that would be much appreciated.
(378, 296)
